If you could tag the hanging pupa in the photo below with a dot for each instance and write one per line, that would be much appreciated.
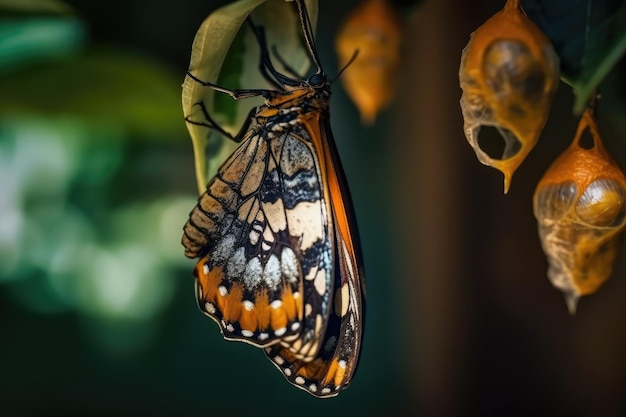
(509, 73)
(372, 29)
(580, 211)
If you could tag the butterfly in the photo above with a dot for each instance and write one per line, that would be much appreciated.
(280, 263)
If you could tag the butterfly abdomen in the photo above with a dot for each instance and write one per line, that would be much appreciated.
(207, 217)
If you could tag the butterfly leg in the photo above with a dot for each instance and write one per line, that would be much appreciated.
(237, 93)
(212, 124)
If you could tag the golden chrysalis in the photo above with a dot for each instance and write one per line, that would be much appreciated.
(371, 80)
(580, 211)
(509, 73)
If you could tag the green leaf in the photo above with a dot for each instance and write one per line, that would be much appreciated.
(102, 87)
(223, 55)
(588, 35)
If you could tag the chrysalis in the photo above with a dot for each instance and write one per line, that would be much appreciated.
(371, 80)
(509, 73)
(579, 207)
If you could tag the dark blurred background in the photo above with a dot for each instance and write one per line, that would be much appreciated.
(97, 310)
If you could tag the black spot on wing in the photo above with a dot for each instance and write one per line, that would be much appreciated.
(301, 187)
(318, 255)
(271, 189)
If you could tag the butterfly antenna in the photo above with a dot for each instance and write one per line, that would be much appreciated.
(350, 61)
(308, 34)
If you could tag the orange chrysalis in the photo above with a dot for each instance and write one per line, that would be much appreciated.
(509, 73)
(371, 80)
(580, 210)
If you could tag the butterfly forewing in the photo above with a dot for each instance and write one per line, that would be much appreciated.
(332, 369)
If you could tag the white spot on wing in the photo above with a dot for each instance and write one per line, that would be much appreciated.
(313, 388)
(246, 333)
(230, 327)
(289, 265)
(237, 263)
(312, 273)
(263, 336)
(342, 300)
(255, 233)
(224, 249)
(320, 282)
(198, 291)
(299, 380)
(253, 273)
(271, 274)
(287, 371)
(279, 360)
(295, 326)
(326, 390)
(222, 290)
(209, 308)
(276, 304)
(248, 305)
(305, 220)
(280, 332)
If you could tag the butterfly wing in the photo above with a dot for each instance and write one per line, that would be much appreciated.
(334, 366)
(262, 234)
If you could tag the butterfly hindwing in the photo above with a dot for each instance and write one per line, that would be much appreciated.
(333, 367)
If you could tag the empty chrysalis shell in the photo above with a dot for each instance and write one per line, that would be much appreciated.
(371, 80)
(580, 211)
(509, 73)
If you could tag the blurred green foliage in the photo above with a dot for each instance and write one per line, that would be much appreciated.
(588, 35)
(99, 87)
(68, 112)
